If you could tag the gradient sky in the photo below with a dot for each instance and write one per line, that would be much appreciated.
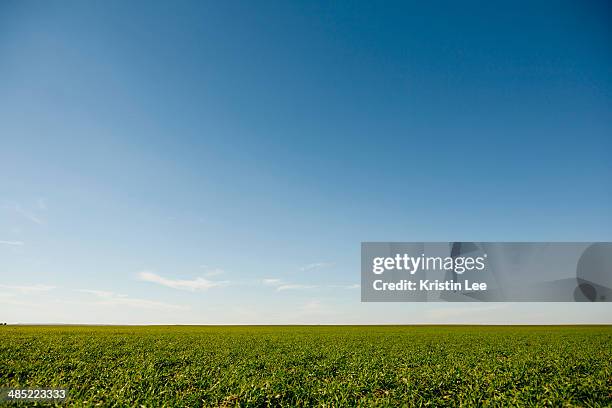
(220, 162)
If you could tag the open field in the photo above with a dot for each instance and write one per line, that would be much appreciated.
(313, 365)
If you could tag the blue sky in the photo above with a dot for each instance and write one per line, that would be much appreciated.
(220, 162)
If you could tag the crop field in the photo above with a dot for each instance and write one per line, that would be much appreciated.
(312, 365)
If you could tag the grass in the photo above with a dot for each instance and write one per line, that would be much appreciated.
(313, 365)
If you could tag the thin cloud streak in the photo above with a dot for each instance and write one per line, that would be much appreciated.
(271, 282)
(280, 285)
(28, 214)
(12, 243)
(181, 284)
(13, 300)
(210, 272)
(353, 286)
(107, 298)
(294, 286)
(316, 265)
(28, 289)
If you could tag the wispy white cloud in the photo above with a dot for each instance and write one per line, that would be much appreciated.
(28, 214)
(100, 293)
(293, 286)
(12, 243)
(183, 284)
(28, 289)
(210, 272)
(280, 285)
(22, 295)
(271, 282)
(107, 298)
(14, 300)
(316, 265)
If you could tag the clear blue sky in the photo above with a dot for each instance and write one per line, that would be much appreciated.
(220, 162)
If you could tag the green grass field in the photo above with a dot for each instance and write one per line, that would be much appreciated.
(313, 365)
